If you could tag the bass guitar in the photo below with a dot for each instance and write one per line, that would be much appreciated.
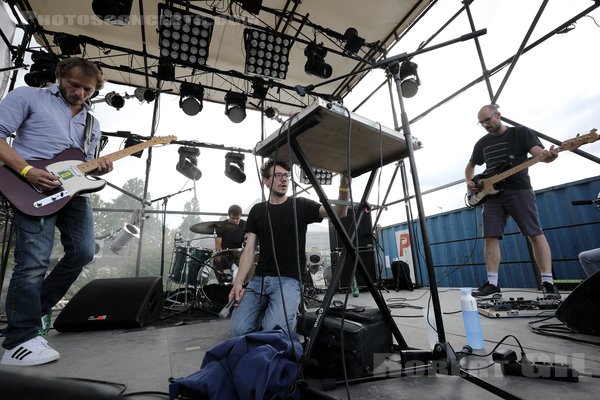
(486, 184)
(71, 173)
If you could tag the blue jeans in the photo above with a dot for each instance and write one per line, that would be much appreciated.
(29, 295)
(262, 306)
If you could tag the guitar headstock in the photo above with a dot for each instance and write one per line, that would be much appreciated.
(580, 140)
(163, 139)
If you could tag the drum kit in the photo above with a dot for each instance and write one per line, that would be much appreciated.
(202, 275)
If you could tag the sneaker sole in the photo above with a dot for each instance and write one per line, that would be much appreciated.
(21, 363)
(492, 296)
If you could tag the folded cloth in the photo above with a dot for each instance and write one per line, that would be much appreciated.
(260, 365)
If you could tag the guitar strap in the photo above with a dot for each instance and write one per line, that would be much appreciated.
(89, 122)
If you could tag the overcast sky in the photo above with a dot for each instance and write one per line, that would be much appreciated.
(553, 89)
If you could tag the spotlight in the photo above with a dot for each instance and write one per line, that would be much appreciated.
(43, 70)
(267, 53)
(314, 262)
(184, 38)
(115, 100)
(315, 61)
(114, 12)
(68, 44)
(323, 176)
(165, 71)
(409, 79)
(252, 6)
(120, 240)
(187, 165)
(145, 94)
(271, 113)
(235, 106)
(190, 98)
(259, 88)
(234, 167)
(353, 42)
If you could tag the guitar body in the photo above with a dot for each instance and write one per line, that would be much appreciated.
(486, 189)
(27, 199)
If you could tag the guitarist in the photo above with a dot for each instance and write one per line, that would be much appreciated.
(47, 121)
(500, 146)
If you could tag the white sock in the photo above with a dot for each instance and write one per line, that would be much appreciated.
(492, 278)
(547, 277)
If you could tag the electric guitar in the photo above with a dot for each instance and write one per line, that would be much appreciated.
(486, 185)
(71, 173)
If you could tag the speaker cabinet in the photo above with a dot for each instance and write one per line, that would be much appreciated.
(366, 255)
(580, 310)
(115, 303)
(364, 229)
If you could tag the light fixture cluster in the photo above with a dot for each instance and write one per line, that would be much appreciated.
(323, 176)
(267, 53)
(184, 38)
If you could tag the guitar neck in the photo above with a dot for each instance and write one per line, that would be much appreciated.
(95, 163)
(511, 171)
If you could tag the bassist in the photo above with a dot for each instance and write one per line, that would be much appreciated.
(501, 146)
(47, 121)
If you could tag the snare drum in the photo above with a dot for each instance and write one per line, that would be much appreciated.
(197, 257)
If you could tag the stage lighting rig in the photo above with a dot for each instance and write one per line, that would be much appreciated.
(323, 176)
(145, 94)
(188, 161)
(184, 38)
(267, 53)
(235, 106)
(409, 79)
(234, 167)
(43, 70)
(190, 100)
(115, 100)
(315, 61)
(114, 12)
(353, 42)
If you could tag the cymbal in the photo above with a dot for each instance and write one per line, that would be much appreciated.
(209, 227)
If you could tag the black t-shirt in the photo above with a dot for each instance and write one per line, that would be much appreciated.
(234, 239)
(500, 152)
(281, 218)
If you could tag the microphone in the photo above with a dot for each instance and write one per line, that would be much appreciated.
(227, 309)
(302, 90)
(585, 202)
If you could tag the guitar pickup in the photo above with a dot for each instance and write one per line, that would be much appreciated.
(51, 199)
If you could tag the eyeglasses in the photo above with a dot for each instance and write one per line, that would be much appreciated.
(279, 175)
(487, 120)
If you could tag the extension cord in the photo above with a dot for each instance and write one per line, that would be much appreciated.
(544, 370)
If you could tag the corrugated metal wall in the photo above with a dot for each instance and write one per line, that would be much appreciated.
(457, 246)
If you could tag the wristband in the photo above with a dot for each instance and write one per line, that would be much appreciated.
(343, 189)
(25, 170)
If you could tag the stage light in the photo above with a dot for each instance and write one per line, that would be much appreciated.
(188, 161)
(323, 176)
(114, 12)
(234, 167)
(68, 44)
(123, 236)
(165, 71)
(353, 42)
(115, 100)
(184, 38)
(409, 79)
(190, 98)
(259, 88)
(267, 53)
(43, 70)
(315, 61)
(145, 94)
(235, 106)
(314, 262)
(252, 6)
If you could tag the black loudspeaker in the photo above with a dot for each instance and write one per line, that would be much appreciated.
(115, 303)
(364, 229)
(366, 255)
(580, 310)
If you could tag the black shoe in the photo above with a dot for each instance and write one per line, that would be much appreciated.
(550, 291)
(487, 290)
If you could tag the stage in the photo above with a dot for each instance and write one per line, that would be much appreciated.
(142, 360)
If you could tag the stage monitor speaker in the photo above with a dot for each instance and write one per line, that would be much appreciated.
(364, 229)
(580, 310)
(367, 256)
(114, 303)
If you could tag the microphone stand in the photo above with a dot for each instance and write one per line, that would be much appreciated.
(165, 200)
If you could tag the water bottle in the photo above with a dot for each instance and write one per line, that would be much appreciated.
(355, 290)
(430, 325)
(471, 320)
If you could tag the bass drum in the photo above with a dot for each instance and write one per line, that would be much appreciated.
(197, 258)
(215, 294)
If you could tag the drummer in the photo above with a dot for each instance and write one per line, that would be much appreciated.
(232, 239)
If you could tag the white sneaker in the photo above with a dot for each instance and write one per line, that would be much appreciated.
(33, 352)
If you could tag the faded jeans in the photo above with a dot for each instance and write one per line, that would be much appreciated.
(262, 306)
(29, 295)
(590, 261)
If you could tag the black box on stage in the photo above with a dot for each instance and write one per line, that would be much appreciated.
(365, 334)
(349, 222)
(580, 310)
(366, 255)
(114, 303)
